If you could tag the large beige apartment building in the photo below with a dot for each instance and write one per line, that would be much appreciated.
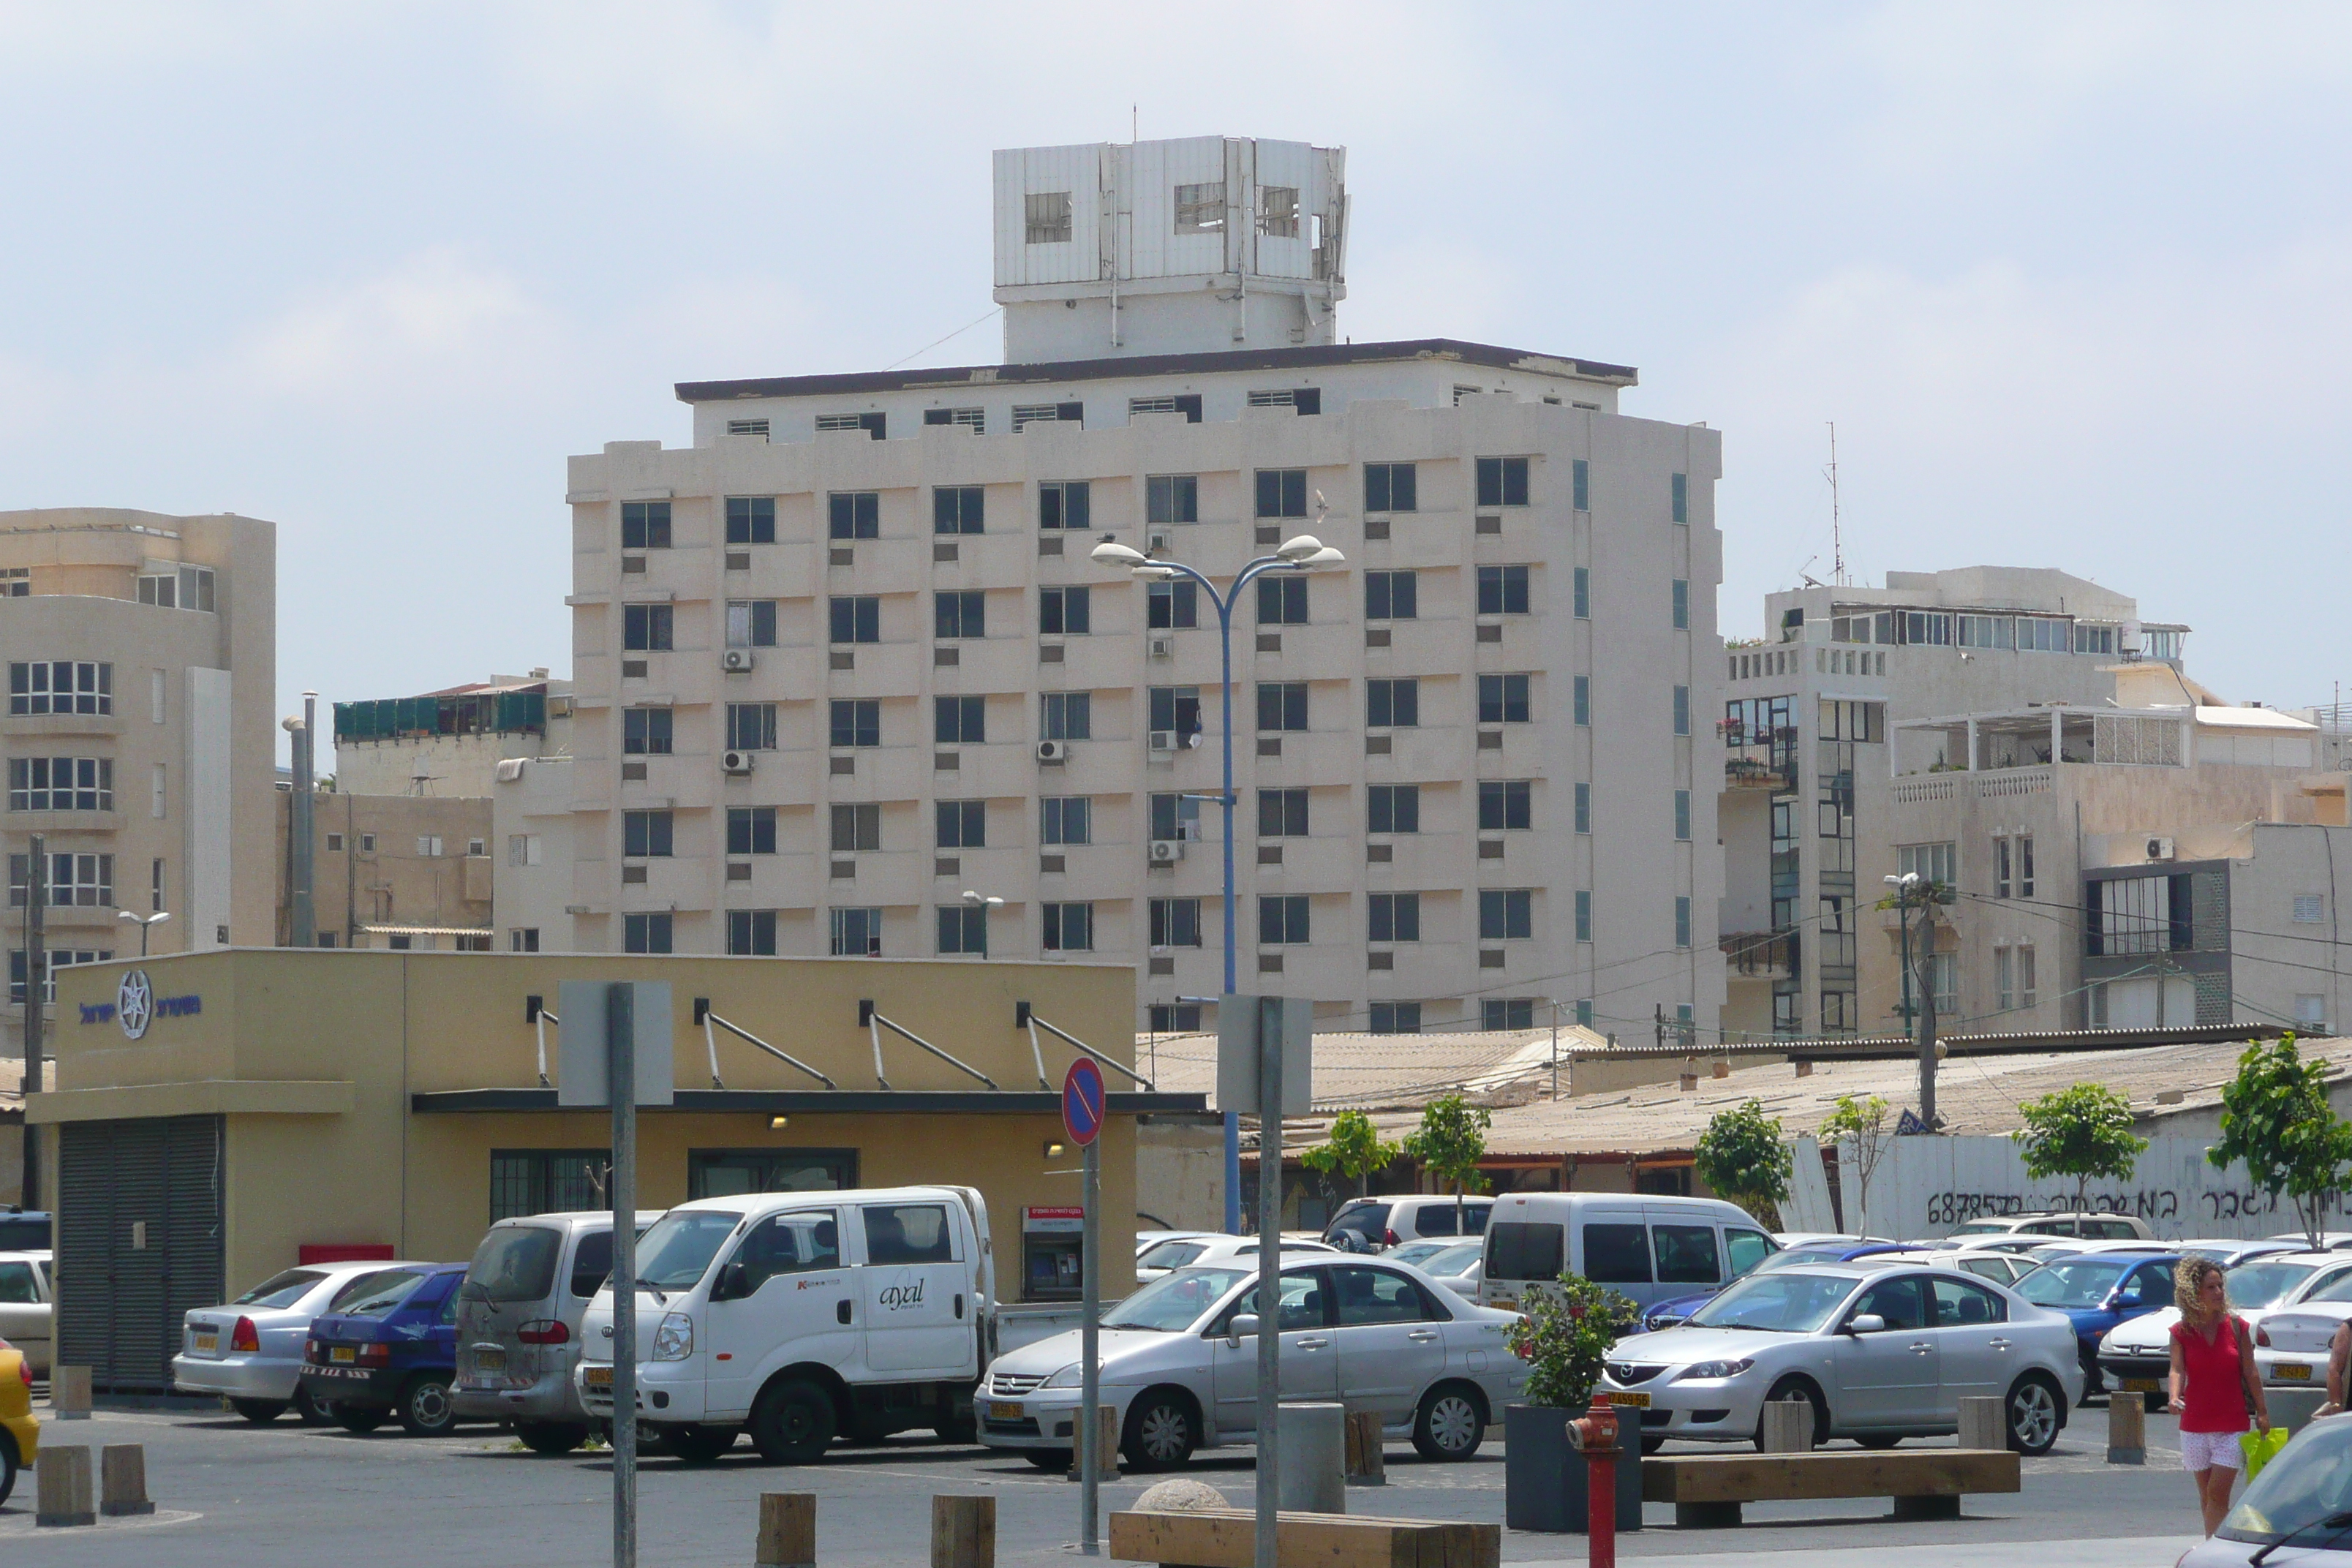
(848, 681)
(139, 736)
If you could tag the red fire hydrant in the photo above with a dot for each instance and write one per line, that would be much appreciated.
(1595, 1436)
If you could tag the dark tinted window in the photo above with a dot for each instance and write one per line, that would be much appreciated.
(793, 1244)
(1376, 1296)
(1435, 1219)
(1367, 1220)
(20, 1234)
(1617, 1254)
(1518, 1250)
(908, 1233)
(1957, 1305)
(1302, 1302)
(1897, 1300)
(1685, 1254)
(591, 1261)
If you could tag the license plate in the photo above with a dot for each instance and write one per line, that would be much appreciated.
(1005, 1412)
(208, 1343)
(490, 1358)
(2137, 1385)
(598, 1377)
(342, 1354)
(1637, 1401)
(2291, 1371)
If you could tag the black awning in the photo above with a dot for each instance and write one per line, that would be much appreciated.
(779, 1102)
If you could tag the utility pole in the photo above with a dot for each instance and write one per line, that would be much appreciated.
(1555, 1048)
(1928, 1014)
(621, 1038)
(301, 924)
(37, 964)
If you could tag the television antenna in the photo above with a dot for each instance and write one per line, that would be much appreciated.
(1837, 523)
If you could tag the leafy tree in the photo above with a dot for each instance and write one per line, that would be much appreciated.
(1449, 1143)
(1564, 1337)
(1742, 1155)
(1865, 1121)
(2275, 1117)
(2082, 1132)
(1355, 1148)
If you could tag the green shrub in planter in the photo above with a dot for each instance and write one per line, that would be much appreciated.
(1563, 1337)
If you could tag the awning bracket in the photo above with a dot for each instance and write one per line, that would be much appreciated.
(1029, 1020)
(710, 1020)
(875, 1023)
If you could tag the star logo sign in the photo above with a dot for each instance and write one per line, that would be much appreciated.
(134, 1003)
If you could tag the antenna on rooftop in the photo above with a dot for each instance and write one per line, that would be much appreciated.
(1837, 523)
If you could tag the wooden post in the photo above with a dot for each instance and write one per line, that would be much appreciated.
(1788, 1427)
(122, 1475)
(1107, 1446)
(787, 1531)
(2127, 1429)
(64, 1493)
(1367, 1459)
(70, 1393)
(1981, 1424)
(963, 1532)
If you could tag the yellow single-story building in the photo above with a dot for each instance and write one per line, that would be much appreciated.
(219, 1116)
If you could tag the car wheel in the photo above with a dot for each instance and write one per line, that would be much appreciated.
(1798, 1388)
(550, 1437)
(792, 1423)
(2035, 1411)
(314, 1411)
(424, 1408)
(359, 1417)
(2095, 1380)
(957, 1429)
(1450, 1423)
(1652, 1445)
(1160, 1433)
(1055, 1459)
(7, 1467)
(260, 1412)
(701, 1445)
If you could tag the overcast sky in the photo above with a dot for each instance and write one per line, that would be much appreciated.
(2074, 282)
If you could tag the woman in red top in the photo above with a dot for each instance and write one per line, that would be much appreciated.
(2214, 1383)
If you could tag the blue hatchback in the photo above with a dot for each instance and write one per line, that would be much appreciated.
(386, 1346)
(2097, 1291)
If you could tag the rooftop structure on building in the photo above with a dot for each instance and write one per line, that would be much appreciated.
(445, 742)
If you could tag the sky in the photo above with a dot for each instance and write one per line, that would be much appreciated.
(2074, 281)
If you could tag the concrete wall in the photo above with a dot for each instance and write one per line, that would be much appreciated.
(371, 869)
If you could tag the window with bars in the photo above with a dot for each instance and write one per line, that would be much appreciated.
(60, 686)
(739, 427)
(61, 783)
(1027, 414)
(1188, 403)
(547, 1181)
(854, 514)
(972, 419)
(874, 424)
(750, 519)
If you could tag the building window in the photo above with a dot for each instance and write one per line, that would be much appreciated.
(367, 844)
(1066, 612)
(1502, 590)
(855, 514)
(752, 726)
(15, 582)
(2311, 1013)
(521, 939)
(1172, 606)
(648, 932)
(751, 933)
(2024, 863)
(1282, 601)
(1067, 504)
(1503, 698)
(1175, 1017)
(1580, 483)
(1506, 914)
(855, 618)
(645, 525)
(55, 959)
(855, 723)
(1393, 808)
(1067, 716)
(1502, 482)
(961, 613)
(522, 848)
(959, 720)
(334, 842)
(1584, 914)
(429, 846)
(646, 628)
(750, 519)
(1201, 208)
(1175, 923)
(1172, 498)
(747, 427)
(1069, 928)
(855, 932)
(1027, 414)
(60, 686)
(547, 1181)
(1176, 818)
(1282, 492)
(645, 731)
(644, 834)
(1581, 583)
(1679, 489)
(1066, 819)
(874, 425)
(158, 802)
(751, 830)
(1582, 818)
(963, 929)
(1505, 804)
(2130, 915)
(962, 823)
(1173, 712)
(1681, 921)
(61, 783)
(1936, 863)
(1682, 604)
(1396, 1017)
(1943, 973)
(856, 825)
(74, 880)
(188, 588)
(1281, 920)
(1047, 214)
(1391, 487)
(1683, 815)
(1394, 917)
(1277, 211)
(972, 419)
(958, 509)
(750, 622)
(1392, 704)
(1392, 596)
(2025, 976)
(1282, 814)
(1281, 705)
(1682, 710)
(1496, 1013)
(2310, 909)
(1581, 700)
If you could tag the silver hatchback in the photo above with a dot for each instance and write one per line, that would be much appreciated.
(518, 1322)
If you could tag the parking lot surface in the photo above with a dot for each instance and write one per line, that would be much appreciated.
(231, 1495)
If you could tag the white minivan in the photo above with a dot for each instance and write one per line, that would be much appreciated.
(1649, 1248)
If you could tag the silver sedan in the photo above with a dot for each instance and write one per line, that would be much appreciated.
(1882, 1351)
(1180, 1363)
(250, 1350)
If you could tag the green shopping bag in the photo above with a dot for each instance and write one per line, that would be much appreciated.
(2260, 1448)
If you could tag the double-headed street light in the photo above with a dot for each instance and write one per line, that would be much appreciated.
(1295, 555)
(144, 922)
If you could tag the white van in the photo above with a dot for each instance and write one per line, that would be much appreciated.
(1649, 1248)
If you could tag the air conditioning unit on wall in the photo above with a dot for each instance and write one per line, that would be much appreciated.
(1167, 851)
(737, 763)
(1052, 750)
(1163, 644)
(2160, 849)
(735, 660)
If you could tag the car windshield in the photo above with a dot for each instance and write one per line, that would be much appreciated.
(1455, 1259)
(1174, 1302)
(1799, 1254)
(2075, 1282)
(1171, 1255)
(2255, 1286)
(675, 1254)
(1414, 1251)
(280, 1289)
(1781, 1304)
(515, 1263)
(376, 1295)
(2305, 1492)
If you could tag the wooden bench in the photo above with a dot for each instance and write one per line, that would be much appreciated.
(1926, 1483)
(1227, 1538)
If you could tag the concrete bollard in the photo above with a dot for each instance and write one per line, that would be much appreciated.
(64, 1492)
(2292, 1408)
(70, 1393)
(2126, 1430)
(963, 1532)
(1788, 1427)
(1313, 1439)
(1367, 1455)
(1981, 1425)
(123, 1480)
(787, 1531)
(1107, 1434)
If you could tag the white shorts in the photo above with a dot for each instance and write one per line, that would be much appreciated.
(2207, 1450)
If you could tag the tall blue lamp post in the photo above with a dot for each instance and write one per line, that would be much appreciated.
(1293, 555)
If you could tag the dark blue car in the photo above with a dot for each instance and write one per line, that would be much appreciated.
(1670, 1314)
(386, 1347)
(2097, 1291)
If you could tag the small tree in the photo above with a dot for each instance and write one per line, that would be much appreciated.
(1865, 1121)
(1449, 1143)
(2275, 1117)
(1354, 1148)
(1742, 1156)
(1564, 1337)
(2082, 1132)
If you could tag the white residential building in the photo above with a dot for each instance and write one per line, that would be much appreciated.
(847, 659)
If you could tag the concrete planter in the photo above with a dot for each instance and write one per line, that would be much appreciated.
(1544, 1479)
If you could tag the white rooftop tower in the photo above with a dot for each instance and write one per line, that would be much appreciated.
(1204, 243)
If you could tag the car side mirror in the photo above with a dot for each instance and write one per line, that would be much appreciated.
(2126, 1298)
(1867, 1323)
(730, 1284)
(1243, 1326)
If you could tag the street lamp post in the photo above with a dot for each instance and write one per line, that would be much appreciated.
(1903, 886)
(144, 922)
(1294, 555)
(983, 903)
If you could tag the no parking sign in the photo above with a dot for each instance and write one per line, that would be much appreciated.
(1082, 1102)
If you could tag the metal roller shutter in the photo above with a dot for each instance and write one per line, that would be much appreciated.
(139, 1243)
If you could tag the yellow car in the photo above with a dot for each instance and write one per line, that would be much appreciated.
(20, 1435)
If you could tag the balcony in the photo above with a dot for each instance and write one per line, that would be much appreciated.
(1765, 760)
(1761, 955)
